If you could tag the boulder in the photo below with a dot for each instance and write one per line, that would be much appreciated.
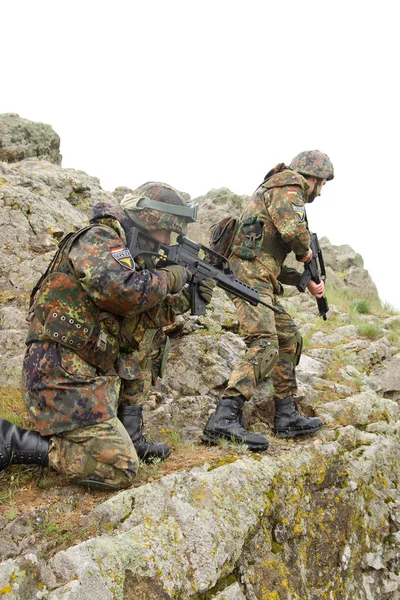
(21, 139)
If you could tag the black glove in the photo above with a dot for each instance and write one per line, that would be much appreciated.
(206, 288)
(178, 276)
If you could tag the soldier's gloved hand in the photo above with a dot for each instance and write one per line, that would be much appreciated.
(178, 276)
(206, 288)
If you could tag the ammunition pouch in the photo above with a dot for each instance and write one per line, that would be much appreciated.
(248, 241)
(64, 313)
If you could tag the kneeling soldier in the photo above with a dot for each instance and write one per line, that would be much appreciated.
(95, 341)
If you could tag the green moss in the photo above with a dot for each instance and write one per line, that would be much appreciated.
(276, 548)
(226, 460)
(12, 407)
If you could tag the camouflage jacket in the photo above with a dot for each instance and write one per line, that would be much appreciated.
(96, 302)
(273, 224)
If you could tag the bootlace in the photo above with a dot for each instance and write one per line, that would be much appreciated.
(143, 439)
(237, 417)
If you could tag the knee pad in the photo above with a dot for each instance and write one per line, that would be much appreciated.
(293, 358)
(265, 359)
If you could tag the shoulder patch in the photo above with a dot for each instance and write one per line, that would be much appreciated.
(122, 255)
(300, 211)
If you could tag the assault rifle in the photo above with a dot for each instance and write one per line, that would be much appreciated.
(316, 272)
(186, 254)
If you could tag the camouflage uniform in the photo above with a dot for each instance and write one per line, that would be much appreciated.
(144, 345)
(273, 224)
(138, 369)
(90, 316)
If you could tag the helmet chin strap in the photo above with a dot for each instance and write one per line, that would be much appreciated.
(314, 193)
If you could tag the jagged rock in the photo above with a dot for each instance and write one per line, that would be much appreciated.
(199, 368)
(232, 592)
(265, 525)
(340, 258)
(120, 192)
(39, 203)
(375, 352)
(348, 266)
(359, 410)
(338, 335)
(20, 139)
(214, 206)
(385, 379)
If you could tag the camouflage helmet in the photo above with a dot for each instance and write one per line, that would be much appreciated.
(156, 205)
(313, 163)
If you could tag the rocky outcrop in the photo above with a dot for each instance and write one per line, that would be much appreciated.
(21, 139)
(213, 207)
(39, 203)
(315, 519)
(321, 520)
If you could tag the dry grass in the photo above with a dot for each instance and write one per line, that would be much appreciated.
(12, 407)
(55, 508)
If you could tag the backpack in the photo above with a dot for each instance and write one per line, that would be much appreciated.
(222, 236)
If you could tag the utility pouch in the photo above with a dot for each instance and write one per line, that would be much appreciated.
(222, 236)
(70, 318)
(248, 241)
(128, 367)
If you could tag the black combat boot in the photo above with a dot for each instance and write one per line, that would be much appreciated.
(290, 423)
(21, 447)
(226, 423)
(131, 418)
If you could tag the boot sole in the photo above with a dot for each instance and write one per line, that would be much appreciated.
(149, 458)
(291, 433)
(214, 438)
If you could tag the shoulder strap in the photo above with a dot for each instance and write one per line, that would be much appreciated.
(65, 243)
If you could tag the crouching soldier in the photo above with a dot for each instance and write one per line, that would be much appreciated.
(94, 340)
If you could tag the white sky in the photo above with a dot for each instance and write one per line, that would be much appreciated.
(214, 93)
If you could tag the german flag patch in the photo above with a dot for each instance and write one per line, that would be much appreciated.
(122, 255)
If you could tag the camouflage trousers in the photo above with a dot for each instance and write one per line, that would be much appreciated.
(103, 452)
(137, 374)
(260, 328)
(136, 391)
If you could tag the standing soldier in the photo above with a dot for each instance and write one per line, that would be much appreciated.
(272, 225)
(94, 342)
